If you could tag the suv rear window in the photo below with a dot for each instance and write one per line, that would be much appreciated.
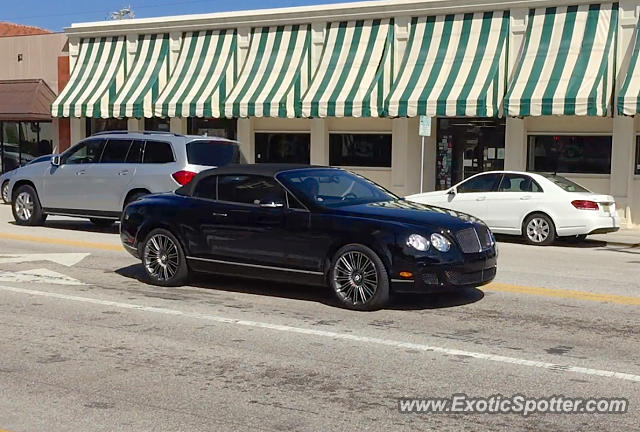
(157, 152)
(212, 153)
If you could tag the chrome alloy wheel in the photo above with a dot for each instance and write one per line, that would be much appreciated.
(538, 230)
(355, 277)
(161, 257)
(5, 192)
(24, 206)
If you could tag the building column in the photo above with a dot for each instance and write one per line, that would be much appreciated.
(622, 163)
(246, 138)
(319, 142)
(135, 125)
(515, 145)
(405, 157)
(178, 125)
(78, 129)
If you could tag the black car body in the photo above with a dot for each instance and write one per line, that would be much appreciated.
(267, 225)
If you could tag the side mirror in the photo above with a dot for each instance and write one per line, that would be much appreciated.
(452, 191)
(55, 160)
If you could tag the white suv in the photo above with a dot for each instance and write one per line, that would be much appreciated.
(100, 175)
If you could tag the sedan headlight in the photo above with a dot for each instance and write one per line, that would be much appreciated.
(418, 242)
(440, 242)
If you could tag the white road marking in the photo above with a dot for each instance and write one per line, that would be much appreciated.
(65, 259)
(335, 335)
(38, 276)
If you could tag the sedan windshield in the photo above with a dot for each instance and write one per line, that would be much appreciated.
(565, 183)
(329, 187)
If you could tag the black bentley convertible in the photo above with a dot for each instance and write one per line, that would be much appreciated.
(307, 224)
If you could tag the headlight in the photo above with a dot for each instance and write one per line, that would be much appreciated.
(440, 242)
(418, 242)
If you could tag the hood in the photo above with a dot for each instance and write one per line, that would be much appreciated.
(416, 197)
(412, 213)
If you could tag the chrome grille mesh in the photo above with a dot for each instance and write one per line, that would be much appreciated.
(468, 240)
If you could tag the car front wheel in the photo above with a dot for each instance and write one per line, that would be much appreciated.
(5, 192)
(359, 279)
(539, 230)
(164, 260)
(26, 207)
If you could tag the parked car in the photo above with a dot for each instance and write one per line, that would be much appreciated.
(539, 207)
(4, 178)
(99, 176)
(305, 224)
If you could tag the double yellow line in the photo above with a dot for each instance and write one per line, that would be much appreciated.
(495, 287)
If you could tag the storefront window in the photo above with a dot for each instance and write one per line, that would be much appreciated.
(569, 154)
(24, 141)
(223, 128)
(360, 150)
(102, 125)
(157, 124)
(283, 147)
(468, 146)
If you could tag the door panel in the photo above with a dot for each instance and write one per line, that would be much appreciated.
(517, 196)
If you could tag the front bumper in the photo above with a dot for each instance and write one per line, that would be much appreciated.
(472, 271)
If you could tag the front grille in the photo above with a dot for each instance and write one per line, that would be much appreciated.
(468, 240)
(484, 235)
(458, 278)
(429, 278)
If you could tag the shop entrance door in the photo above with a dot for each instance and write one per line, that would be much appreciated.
(468, 146)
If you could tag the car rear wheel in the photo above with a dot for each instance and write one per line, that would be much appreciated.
(5, 192)
(164, 260)
(539, 230)
(359, 279)
(26, 207)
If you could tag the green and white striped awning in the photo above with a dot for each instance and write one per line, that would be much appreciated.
(275, 75)
(567, 63)
(203, 77)
(454, 66)
(355, 71)
(97, 76)
(149, 74)
(629, 96)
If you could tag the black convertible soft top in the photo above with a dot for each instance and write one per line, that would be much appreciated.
(266, 169)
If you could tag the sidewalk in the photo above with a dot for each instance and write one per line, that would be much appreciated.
(629, 237)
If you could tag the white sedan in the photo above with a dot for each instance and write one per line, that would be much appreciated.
(539, 207)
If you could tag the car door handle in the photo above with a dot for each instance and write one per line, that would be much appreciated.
(482, 198)
(525, 198)
(123, 172)
(80, 172)
(220, 214)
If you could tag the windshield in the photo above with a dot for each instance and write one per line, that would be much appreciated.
(329, 187)
(565, 183)
(212, 153)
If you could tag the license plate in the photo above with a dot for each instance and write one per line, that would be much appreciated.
(606, 208)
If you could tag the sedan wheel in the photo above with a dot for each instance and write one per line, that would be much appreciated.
(359, 279)
(164, 260)
(539, 230)
(5, 192)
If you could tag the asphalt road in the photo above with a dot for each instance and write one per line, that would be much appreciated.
(86, 346)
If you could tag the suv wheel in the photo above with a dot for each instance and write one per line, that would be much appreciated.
(164, 260)
(5, 192)
(359, 279)
(26, 207)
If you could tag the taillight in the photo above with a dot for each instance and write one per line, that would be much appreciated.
(585, 205)
(183, 177)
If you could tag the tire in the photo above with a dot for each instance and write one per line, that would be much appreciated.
(359, 279)
(134, 197)
(102, 223)
(538, 229)
(26, 207)
(163, 259)
(4, 192)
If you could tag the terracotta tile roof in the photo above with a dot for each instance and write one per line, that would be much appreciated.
(11, 29)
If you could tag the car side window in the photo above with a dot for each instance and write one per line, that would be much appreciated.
(115, 151)
(135, 152)
(157, 152)
(481, 183)
(249, 189)
(85, 153)
(207, 188)
(518, 183)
